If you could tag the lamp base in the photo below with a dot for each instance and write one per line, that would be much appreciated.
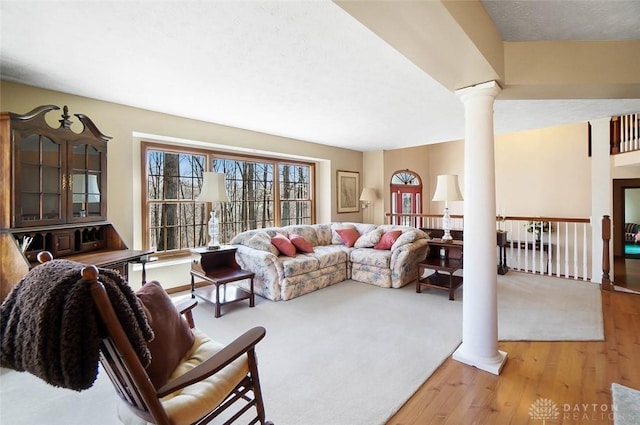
(214, 231)
(446, 226)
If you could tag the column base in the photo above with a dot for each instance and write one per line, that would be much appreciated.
(492, 365)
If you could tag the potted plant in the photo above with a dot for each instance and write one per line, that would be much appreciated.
(538, 227)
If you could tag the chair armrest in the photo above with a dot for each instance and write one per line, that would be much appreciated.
(241, 345)
(184, 307)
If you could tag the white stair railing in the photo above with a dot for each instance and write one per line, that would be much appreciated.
(626, 133)
(550, 246)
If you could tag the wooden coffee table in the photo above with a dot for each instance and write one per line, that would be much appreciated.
(443, 277)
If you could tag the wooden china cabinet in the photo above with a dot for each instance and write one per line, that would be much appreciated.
(53, 195)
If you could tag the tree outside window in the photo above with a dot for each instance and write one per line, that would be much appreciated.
(263, 192)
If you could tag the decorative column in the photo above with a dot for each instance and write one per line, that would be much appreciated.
(601, 193)
(479, 346)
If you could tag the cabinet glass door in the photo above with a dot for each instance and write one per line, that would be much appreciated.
(86, 164)
(39, 181)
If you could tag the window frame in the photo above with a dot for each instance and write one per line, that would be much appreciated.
(210, 155)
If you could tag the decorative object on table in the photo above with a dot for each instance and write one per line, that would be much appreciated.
(447, 189)
(539, 227)
(347, 194)
(367, 196)
(213, 190)
(26, 241)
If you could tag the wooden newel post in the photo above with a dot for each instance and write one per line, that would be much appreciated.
(606, 237)
(615, 135)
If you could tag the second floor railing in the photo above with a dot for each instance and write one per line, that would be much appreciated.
(553, 246)
(625, 133)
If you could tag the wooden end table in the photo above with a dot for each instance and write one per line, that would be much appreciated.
(219, 267)
(448, 263)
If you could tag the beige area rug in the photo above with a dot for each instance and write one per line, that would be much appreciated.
(542, 308)
(626, 405)
(345, 355)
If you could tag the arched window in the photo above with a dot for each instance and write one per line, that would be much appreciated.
(406, 196)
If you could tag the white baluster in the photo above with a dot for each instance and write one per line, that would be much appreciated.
(526, 251)
(542, 245)
(623, 133)
(558, 253)
(550, 253)
(575, 250)
(584, 251)
(566, 250)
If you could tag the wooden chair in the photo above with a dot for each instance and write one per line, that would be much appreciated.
(163, 406)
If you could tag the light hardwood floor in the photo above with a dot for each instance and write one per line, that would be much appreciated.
(576, 376)
(627, 272)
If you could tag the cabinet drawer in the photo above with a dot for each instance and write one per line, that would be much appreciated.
(62, 243)
(92, 245)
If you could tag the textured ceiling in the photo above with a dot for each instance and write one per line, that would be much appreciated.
(305, 70)
(566, 19)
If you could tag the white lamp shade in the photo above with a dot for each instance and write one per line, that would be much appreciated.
(368, 194)
(213, 188)
(447, 188)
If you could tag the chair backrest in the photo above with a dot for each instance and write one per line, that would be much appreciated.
(120, 360)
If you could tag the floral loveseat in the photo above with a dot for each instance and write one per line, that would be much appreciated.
(329, 259)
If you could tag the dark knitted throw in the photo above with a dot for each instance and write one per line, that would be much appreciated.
(50, 326)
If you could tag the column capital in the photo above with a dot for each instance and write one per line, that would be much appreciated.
(490, 88)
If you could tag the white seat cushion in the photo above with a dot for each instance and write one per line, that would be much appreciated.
(189, 404)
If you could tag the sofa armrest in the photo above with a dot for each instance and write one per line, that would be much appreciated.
(267, 268)
(254, 259)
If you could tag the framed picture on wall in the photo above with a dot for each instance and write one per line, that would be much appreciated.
(347, 195)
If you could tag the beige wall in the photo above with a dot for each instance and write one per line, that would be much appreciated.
(544, 172)
(371, 177)
(128, 126)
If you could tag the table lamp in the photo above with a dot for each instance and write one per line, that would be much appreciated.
(447, 189)
(213, 190)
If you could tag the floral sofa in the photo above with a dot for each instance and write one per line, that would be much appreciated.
(329, 259)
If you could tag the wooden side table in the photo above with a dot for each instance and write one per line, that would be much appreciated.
(219, 267)
(449, 262)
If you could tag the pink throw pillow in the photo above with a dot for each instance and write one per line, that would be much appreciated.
(348, 235)
(301, 243)
(284, 245)
(388, 239)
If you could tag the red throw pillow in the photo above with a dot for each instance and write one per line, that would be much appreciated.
(173, 337)
(349, 235)
(388, 238)
(284, 245)
(301, 243)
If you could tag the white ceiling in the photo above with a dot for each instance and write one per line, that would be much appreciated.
(301, 69)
